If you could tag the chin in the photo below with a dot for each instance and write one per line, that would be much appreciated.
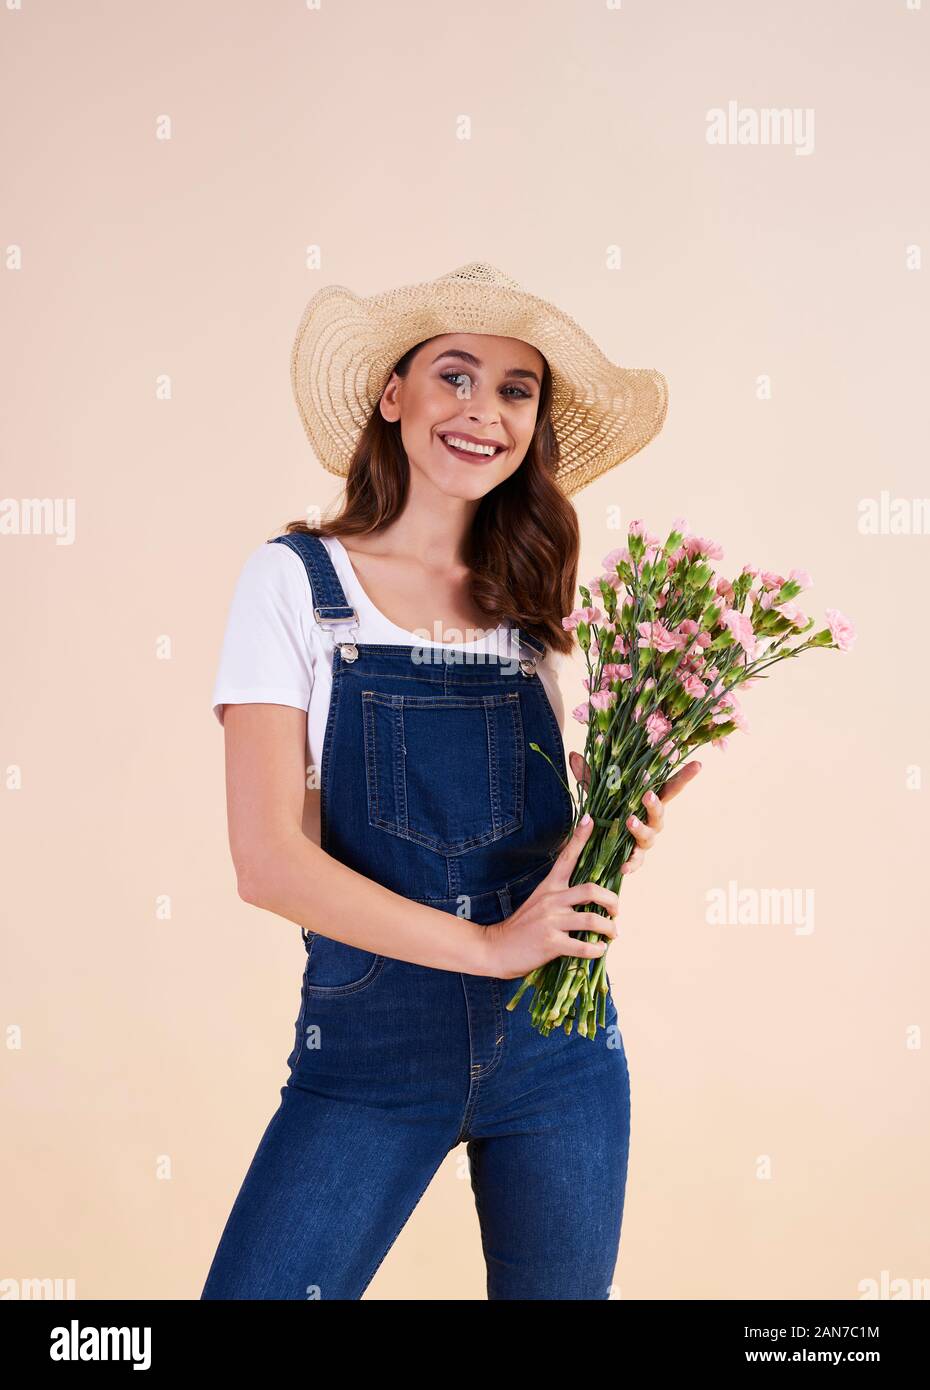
(467, 484)
(471, 488)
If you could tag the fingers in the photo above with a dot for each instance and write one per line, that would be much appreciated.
(645, 834)
(634, 862)
(561, 870)
(655, 813)
(586, 950)
(593, 893)
(580, 768)
(681, 779)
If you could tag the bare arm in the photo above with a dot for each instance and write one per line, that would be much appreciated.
(278, 868)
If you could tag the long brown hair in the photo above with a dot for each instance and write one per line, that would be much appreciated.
(523, 547)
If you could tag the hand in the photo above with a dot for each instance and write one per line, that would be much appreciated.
(538, 931)
(644, 835)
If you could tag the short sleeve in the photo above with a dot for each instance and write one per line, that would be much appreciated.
(267, 652)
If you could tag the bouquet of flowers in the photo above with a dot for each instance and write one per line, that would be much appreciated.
(664, 660)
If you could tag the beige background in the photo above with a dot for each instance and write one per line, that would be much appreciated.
(779, 1088)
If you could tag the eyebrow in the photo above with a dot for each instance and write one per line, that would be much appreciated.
(473, 361)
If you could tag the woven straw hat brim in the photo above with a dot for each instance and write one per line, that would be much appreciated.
(346, 347)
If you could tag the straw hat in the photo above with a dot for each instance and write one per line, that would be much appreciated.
(346, 348)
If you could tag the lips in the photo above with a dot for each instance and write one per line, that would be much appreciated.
(469, 457)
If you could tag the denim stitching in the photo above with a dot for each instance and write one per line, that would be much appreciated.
(354, 986)
(474, 1087)
(442, 702)
(498, 1033)
(511, 885)
(302, 1014)
(399, 825)
(401, 811)
(371, 764)
(473, 1083)
(376, 648)
(494, 791)
(520, 767)
(321, 575)
(453, 863)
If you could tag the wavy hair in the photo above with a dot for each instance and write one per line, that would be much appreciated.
(523, 546)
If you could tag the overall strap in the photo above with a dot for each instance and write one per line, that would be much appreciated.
(533, 643)
(530, 649)
(330, 607)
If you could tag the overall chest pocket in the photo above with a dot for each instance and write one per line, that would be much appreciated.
(444, 771)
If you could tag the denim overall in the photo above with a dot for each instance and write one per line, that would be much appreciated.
(430, 787)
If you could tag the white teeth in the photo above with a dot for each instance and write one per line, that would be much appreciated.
(470, 448)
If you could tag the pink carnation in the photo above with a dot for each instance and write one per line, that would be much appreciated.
(668, 750)
(657, 726)
(842, 630)
(694, 687)
(700, 545)
(727, 710)
(741, 629)
(657, 635)
(615, 558)
(792, 612)
(580, 615)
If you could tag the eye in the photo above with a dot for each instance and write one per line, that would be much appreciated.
(453, 377)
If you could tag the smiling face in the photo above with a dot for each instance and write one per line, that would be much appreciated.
(467, 409)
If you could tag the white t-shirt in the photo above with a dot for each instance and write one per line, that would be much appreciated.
(274, 651)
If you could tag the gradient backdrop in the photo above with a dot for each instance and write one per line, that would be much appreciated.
(178, 180)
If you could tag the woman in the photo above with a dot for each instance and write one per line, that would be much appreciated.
(426, 850)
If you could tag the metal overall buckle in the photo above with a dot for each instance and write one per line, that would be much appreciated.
(347, 650)
(528, 663)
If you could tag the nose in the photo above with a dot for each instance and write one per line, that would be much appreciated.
(481, 406)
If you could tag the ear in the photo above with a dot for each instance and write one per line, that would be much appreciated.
(389, 405)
